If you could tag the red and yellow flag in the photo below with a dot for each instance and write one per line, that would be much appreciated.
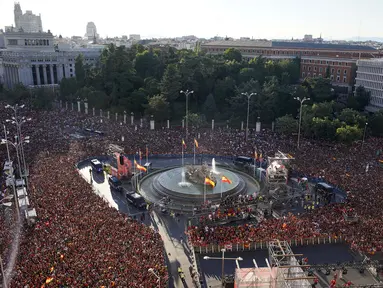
(226, 180)
(209, 182)
(183, 143)
(255, 155)
(139, 167)
(196, 143)
(48, 280)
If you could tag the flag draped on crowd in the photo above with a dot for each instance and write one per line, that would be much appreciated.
(226, 180)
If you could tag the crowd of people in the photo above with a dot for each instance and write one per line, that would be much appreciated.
(80, 241)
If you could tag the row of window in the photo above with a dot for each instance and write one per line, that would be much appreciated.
(293, 52)
(374, 70)
(333, 63)
(371, 77)
(321, 69)
(36, 42)
(369, 84)
(320, 75)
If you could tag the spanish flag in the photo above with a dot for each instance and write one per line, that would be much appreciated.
(52, 268)
(209, 182)
(226, 180)
(255, 155)
(48, 280)
(196, 143)
(183, 143)
(139, 167)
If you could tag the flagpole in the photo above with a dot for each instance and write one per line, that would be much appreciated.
(255, 165)
(204, 192)
(194, 154)
(221, 188)
(147, 152)
(182, 154)
(139, 152)
(134, 171)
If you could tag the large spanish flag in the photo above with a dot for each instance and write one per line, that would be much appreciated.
(139, 167)
(209, 182)
(226, 180)
(196, 143)
(48, 280)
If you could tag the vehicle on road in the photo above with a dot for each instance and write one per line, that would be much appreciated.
(243, 161)
(136, 199)
(96, 165)
(115, 183)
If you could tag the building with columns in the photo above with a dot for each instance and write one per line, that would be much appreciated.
(33, 60)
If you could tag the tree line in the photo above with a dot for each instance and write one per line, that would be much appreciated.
(148, 81)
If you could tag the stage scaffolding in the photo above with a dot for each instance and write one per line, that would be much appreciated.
(283, 270)
(277, 171)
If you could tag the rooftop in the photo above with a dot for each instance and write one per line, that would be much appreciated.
(285, 44)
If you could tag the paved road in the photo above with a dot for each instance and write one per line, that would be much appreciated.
(319, 254)
(170, 229)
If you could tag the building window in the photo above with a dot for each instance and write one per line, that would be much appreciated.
(338, 71)
(315, 75)
(344, 79)
(315, 68)
(304, 68)
(332, 77)
(337, 78)
(332, 70)
(320, 75)
(303, 74)
(71, 70)
(345, 72)
(320, 69)
(309, 68)
(12, 42)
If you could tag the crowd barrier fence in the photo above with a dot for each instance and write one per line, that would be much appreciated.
(252, 246)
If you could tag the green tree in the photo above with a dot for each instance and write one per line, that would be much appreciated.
(171, 83)
(209, 107)
(319, 89)
(349, 133)
(352, 117)
(362, 97)
(233, 54)
(376, 123)
(98, 100)
(195, 120)
(146, 64)
(158, 106)
(80, 71)
(286, 124)
(323, 110)
(43, 98)
(68, 89)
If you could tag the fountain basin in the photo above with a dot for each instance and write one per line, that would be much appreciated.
(167, 184)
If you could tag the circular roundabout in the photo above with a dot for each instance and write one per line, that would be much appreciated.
(186, 187)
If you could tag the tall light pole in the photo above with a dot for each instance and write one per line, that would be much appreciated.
(187, 93)
(223, 263)
(364, 133)
(2, 272)
(248, 110)
(18, 122)
(301, 101)
(151, 270)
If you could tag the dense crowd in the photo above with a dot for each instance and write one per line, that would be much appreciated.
(80, 241)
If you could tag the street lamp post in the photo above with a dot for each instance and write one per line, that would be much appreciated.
(187, 93)
(223, 263)
(301, 101)
(248, 110)
(151, 270)
(364, 133)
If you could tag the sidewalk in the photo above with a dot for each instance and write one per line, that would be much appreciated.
(177, 253)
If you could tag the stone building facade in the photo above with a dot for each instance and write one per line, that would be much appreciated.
(27, 22)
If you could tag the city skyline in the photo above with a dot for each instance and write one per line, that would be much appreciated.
(208, 18)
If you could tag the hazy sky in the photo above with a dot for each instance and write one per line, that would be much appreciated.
(335, 19)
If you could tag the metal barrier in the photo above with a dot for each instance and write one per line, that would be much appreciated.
(252, 246)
